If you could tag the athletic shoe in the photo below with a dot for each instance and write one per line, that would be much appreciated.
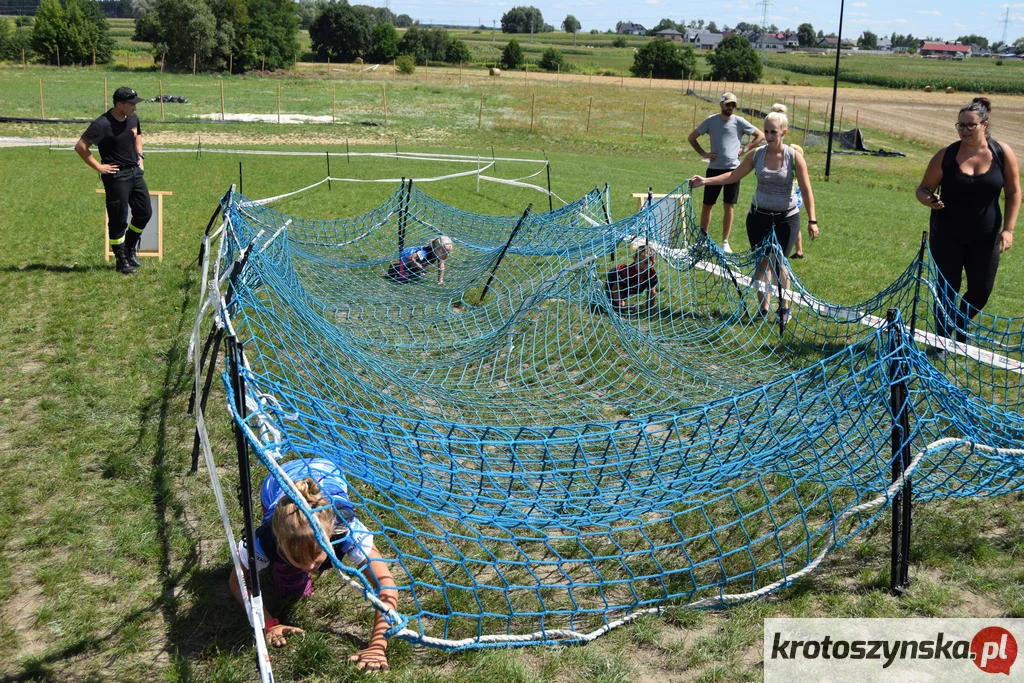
(726, 248)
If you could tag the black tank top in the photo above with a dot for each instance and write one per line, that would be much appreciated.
(971, 201)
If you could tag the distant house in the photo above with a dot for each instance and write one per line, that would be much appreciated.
(773, 41)
(884, 43)
(704, 40)
(669, 34)
(832, 41)
(945, 50)
(630, 29)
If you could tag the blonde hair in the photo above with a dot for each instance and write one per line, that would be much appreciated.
(441, 242)
(778, 116)
(295, 537)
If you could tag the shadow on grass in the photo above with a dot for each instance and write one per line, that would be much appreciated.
(56, 268)
(211, 620)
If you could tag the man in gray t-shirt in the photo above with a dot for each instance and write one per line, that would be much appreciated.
(726, 131)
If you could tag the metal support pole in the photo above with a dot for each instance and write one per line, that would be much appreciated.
(209, 355)
(899, 578)
(328, 170)
(547, 164)
(501, 254)
(402, 214)
(244, 481)
(917, 284)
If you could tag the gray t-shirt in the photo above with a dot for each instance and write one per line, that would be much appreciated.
(726, 139)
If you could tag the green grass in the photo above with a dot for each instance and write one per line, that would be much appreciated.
(113, 563)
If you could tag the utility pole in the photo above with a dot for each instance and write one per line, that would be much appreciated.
(1006, 23)
(764, 14)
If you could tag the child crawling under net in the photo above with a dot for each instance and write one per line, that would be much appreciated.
(413, 261)
(629, 279)
(285, 542)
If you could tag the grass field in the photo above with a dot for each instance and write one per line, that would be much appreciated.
(114, 564)
(909, 71)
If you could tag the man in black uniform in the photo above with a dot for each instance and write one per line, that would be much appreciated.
(119, 137)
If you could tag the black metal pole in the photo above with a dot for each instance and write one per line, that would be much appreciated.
(835, 87)
(899, 564)
(406, 191)
(242, 446)
(212, 344)
(328, 170)
(240, 178)
(650, 196)
(551, 206)
(501, 254)
(917, 285)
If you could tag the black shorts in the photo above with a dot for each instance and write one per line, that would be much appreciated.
(786, 228)
(711, 192)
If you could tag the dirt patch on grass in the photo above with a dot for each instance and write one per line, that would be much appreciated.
(21, 610)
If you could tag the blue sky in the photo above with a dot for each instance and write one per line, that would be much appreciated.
(945, 19)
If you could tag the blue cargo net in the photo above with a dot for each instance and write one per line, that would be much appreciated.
(540, 465)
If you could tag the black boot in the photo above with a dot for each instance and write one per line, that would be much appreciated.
(131, 248)
(121, 261)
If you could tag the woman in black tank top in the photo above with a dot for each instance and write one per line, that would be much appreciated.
(968, 231)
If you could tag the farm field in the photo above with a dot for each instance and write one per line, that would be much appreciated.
(114, 564)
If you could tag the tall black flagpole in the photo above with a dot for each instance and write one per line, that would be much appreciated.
(835, 87)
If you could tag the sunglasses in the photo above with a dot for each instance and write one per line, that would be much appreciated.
(966, 126)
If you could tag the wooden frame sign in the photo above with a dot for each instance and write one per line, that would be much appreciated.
(152, 243)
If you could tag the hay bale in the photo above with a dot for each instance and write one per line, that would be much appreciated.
(950, 90)
(494, 71)
(927, 88)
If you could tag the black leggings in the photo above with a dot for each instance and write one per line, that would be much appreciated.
(978, 257)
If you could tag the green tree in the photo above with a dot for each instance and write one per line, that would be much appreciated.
(973, 39)
(806, 36)
(522, 20)
(571, 25)
(187, 29)
(71, 32)
(341, 33)
(512, 55)
(6, 31)
(735, 60)
(307, 11)
(425, 44)
(665, 24)
(552, 60)
(867, 41)
(457, 52)
(272, 35)
(406, 64)
(232, 21)
(383, 43)
(664, 59)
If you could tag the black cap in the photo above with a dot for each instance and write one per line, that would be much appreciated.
(126, 95)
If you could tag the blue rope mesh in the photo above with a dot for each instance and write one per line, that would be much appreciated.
(539, 465)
